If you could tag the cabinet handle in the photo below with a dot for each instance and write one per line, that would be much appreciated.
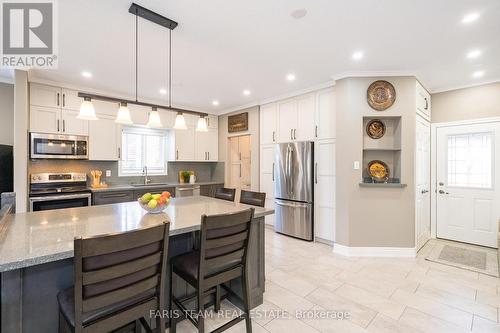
(240, 170)
(273, 137)
(316, 131)
(295, 134)
(273, 171)
(64, 125)
(58, 125)
(58, 97)
(176, 154)
(208, 121)
(119, 153)
(291, 134)
(118, 195)
(426, 104)
(316, 172)
(64, 100)
(208, 153)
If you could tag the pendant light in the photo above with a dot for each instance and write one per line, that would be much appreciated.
(202, 124)
(87, 111)
(154, 119)
(180, 122)
(123, 115)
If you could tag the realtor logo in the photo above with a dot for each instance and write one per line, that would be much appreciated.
(28, 34)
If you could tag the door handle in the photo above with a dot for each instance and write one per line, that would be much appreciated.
(443, 192)
(316, 173)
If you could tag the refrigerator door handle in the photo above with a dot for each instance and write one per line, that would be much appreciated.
(290, 177)
(291, 204)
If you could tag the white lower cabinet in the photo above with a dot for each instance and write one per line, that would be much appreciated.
(267, 177)
(104, 139)
(324, 190)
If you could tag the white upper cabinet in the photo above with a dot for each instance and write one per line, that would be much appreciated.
(70, 124)
(138, 113)
(325, 114)
(206, 145)
(47, 96)
(423, 101)
(305, 129)
(70, 99)
(287, 120)
(167, 118)
(45, 119)
(104, 139)
(182, 145)
(213, 122)
(268, 123)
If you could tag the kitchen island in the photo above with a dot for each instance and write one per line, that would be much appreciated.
(36, 252)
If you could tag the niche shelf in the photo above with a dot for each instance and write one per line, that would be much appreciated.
(386, 149)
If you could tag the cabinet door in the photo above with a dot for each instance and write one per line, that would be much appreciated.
(213, 122)
(104, 138)
(267, 178)
(213, 145)
(268, 123)
(45, 120)
(184, 145)
(48, 96)
(70, 100)
(287, 120)
(324, 178)
(112, 197)
(201, 145)
(423, 102)
(72, 125)
(325, 114)
(305, 129)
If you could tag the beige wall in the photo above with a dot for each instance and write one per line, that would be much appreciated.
(253, 130)
(468, 103)
(373, 217)
(6, 114)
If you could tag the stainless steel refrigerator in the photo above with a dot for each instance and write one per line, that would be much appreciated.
(294, 189)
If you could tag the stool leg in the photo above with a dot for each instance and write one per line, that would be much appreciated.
(246, 301)
(217, 299)
(138, 325)
(201, 311)
(171, 315)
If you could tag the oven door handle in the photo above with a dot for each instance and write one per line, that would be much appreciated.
(59, 197)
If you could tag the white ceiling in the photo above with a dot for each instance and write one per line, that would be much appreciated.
(222, 47)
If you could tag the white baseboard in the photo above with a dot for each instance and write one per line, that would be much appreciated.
(400, 252)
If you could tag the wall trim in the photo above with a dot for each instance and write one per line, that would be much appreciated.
(465, 86)
(320, 86)
(399, 252)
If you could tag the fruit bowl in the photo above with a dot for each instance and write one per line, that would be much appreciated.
(154, 203)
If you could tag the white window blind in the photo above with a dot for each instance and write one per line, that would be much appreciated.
(470, 162)
(143, 147)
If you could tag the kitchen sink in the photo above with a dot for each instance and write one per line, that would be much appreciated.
(150, 185)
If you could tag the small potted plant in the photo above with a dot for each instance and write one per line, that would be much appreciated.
(186, 175)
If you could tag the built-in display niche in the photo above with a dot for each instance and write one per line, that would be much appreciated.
(381, 152)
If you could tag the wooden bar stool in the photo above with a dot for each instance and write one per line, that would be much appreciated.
(225, 193)
(222, 257)
(119, 279)
(253, 198)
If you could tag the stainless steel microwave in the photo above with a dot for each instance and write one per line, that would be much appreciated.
(59, 146)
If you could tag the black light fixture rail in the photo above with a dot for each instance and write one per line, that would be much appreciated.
(121, 100)
(152, 16)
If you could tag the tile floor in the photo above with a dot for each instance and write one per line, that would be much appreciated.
(380, 294)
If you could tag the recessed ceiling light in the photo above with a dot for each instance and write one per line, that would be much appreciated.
(473, 54)
(298, 13)
(86, 74)
(246, 92)
(471, 17)
(163, 91)
(290, 77)
(215, 102)
(357, 55)
(478, 74)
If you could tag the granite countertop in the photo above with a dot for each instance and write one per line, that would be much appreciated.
(30, 239)
(126, 187)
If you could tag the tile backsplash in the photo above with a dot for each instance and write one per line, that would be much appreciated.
(204, 171)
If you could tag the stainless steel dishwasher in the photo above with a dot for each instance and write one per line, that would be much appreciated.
(187, 191)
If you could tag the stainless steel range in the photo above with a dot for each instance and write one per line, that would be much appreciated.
(58, 191)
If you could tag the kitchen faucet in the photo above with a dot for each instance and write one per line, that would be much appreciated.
(145, 173)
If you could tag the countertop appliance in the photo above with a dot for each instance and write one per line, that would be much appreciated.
(58, 191)
(294, 189)
(59, 146)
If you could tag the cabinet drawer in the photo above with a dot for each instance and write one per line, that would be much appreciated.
(113, 197)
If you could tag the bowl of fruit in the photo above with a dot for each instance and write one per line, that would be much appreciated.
(154, 203)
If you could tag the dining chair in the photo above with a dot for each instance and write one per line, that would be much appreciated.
(253, 198)
(225, 193)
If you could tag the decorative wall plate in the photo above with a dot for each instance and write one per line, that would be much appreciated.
(381, 95)
(378, 171)
(375, 128)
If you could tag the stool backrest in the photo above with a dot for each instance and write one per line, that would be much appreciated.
(111, 269)
(253, 198)
(225, 193)
(224, 246)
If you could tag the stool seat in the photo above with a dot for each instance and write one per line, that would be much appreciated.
(66, 299)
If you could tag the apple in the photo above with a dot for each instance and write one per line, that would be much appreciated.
(156, 196)
(146, 197)
(162, 200)
(166, 194)
(152, 204)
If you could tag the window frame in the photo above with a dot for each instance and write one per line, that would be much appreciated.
(143, 132)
